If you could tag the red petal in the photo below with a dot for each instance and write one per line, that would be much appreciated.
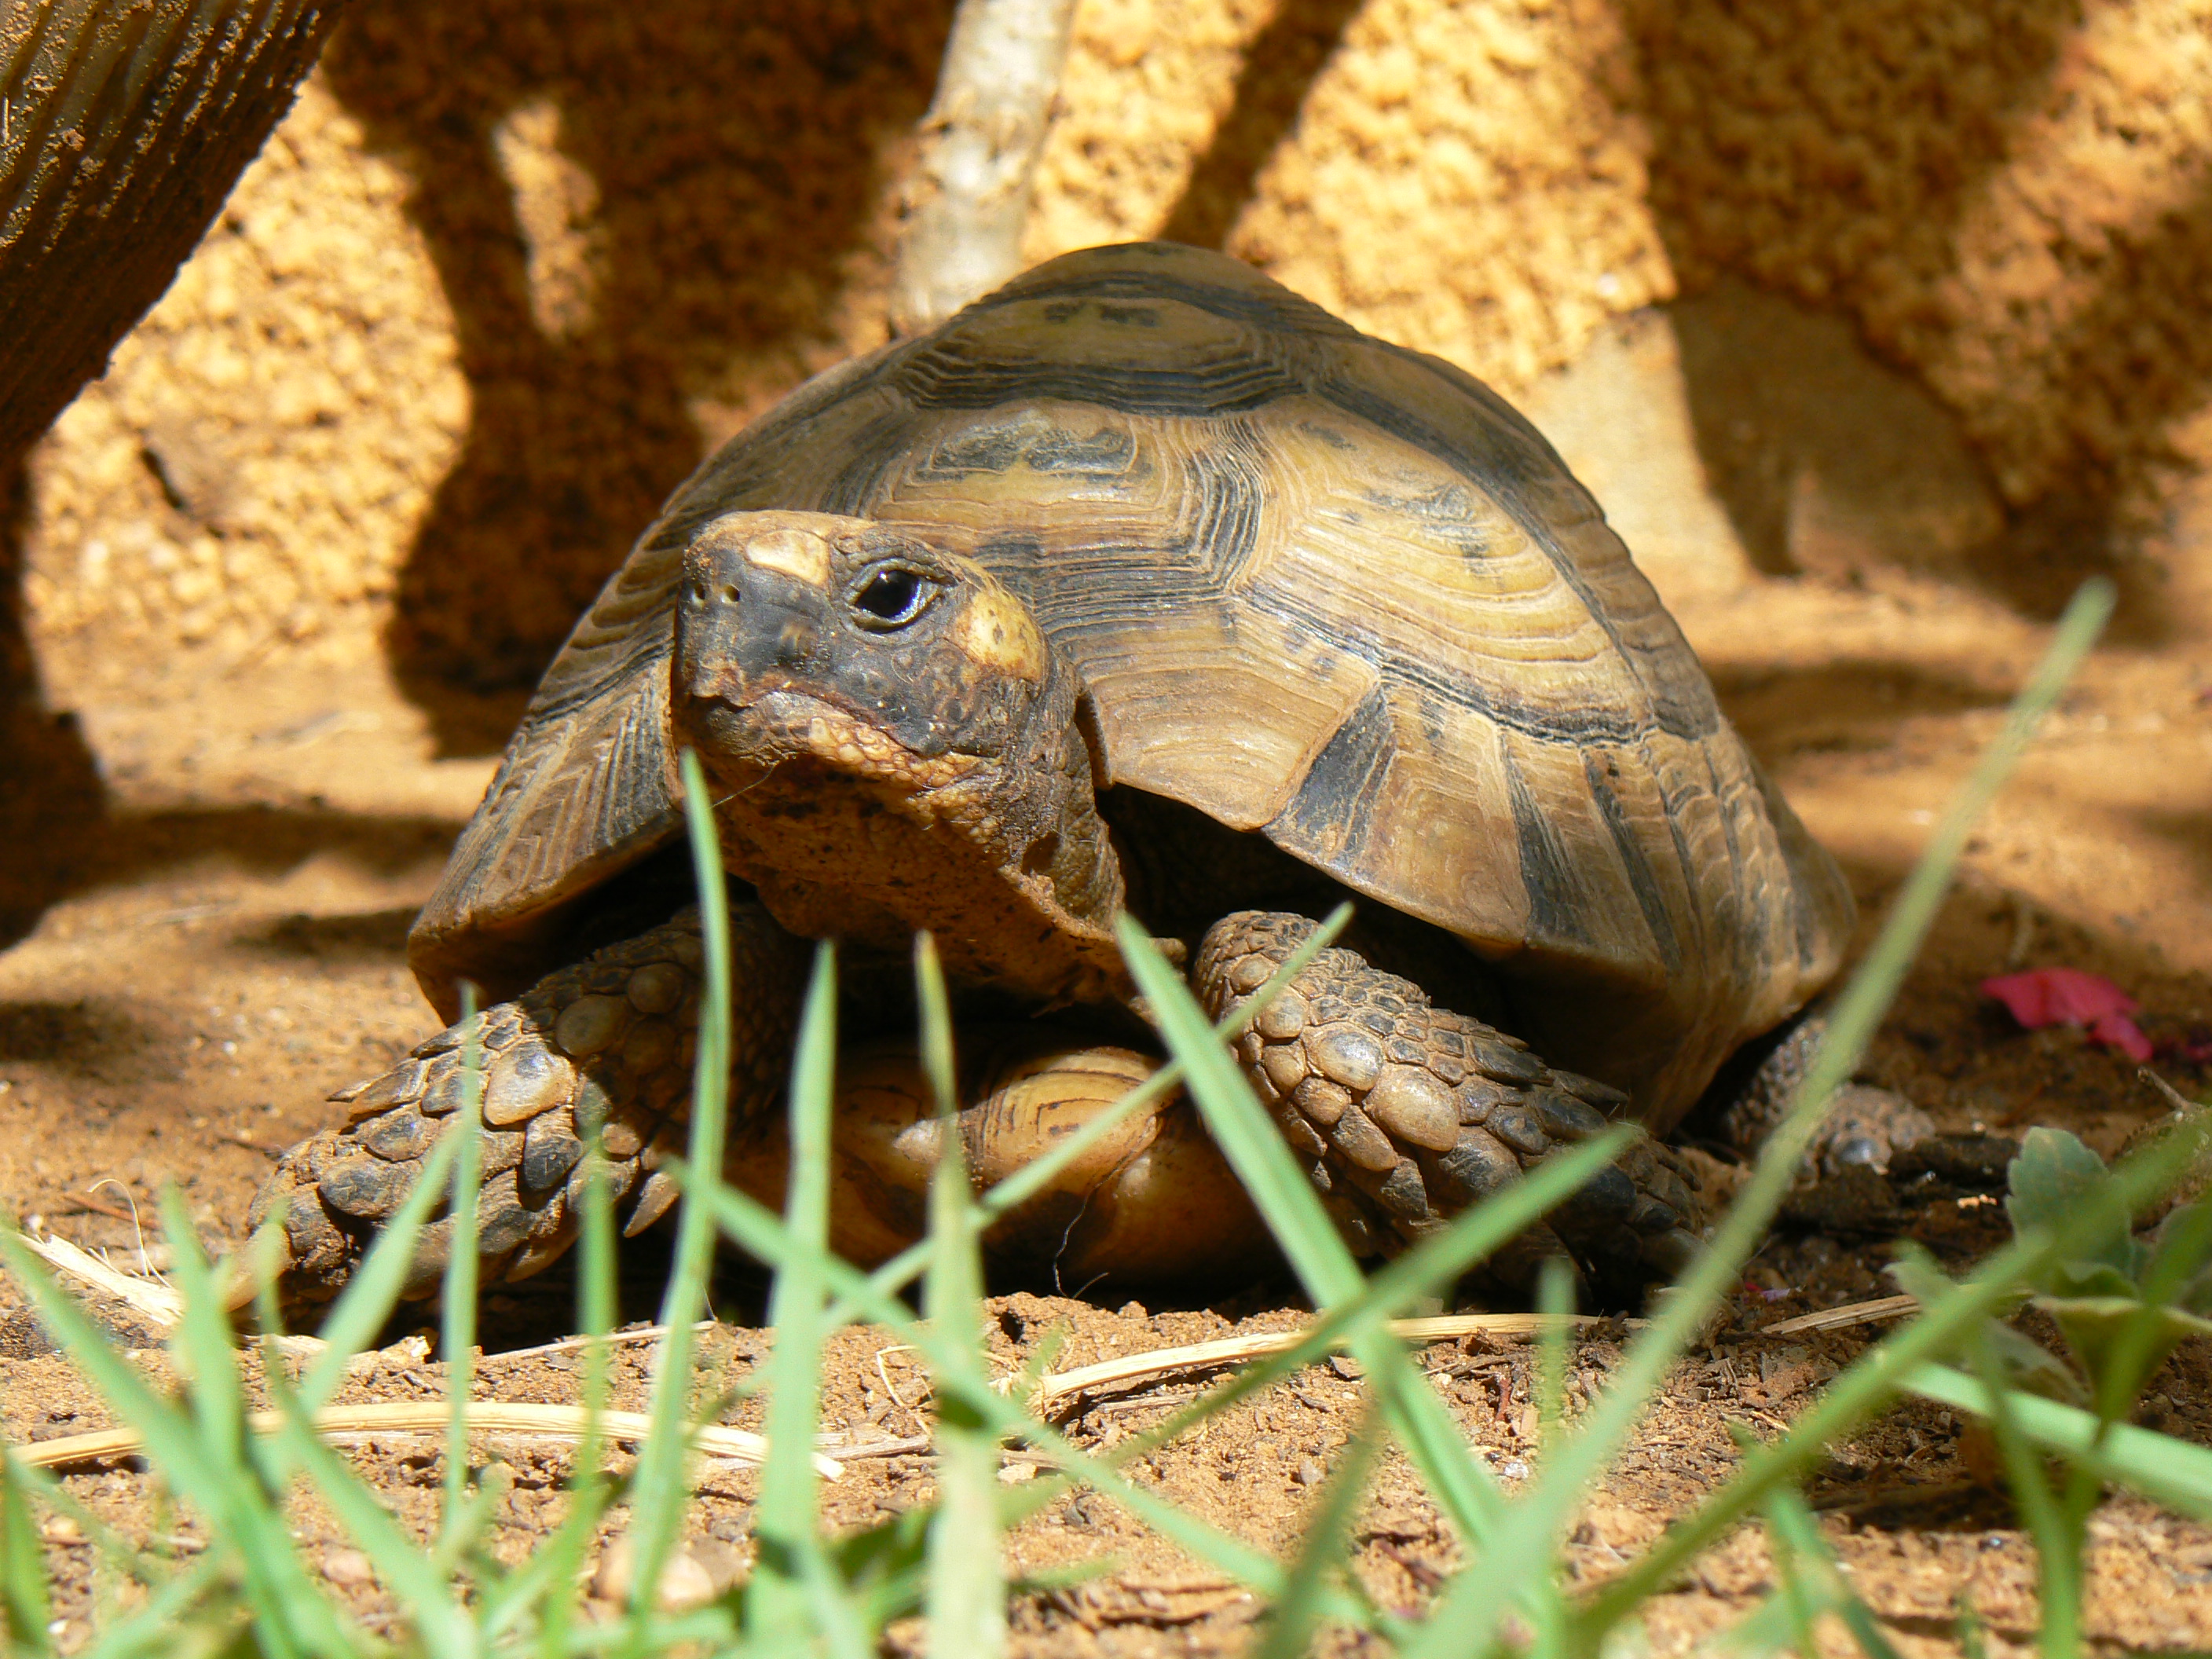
(2119, 1032)
(2060, 996)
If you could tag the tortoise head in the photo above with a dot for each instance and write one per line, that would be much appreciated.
(895, 745)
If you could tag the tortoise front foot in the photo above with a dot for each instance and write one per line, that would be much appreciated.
(606, 1045)
(1403, 1114)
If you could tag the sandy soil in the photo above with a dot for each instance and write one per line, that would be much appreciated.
(289, 567)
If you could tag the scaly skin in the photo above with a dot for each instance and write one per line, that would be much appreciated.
(608, 1043)
(1405, 1114)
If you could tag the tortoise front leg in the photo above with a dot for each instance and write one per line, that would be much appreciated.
(607, 1044)
(1403, 1114)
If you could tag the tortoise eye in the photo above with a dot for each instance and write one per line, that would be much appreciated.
(892, 597)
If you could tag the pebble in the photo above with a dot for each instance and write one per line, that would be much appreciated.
(347, 1567)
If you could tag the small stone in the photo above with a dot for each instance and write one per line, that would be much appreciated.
(684, 1582)
(1321, 1100)
(1309, 1473)
(589, 1024)
(1016, 1475)
(525, 1081)
(1282, 1019)
(1285, 1063)
(1346, 1056)
(1413, 1106)
(1359, 1139)
(347, 1567)
(658, 988)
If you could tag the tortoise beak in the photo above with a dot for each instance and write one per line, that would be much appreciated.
(740, 628)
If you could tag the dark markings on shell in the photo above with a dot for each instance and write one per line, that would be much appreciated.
(954, 374)
(1349, 769)
(1546, 872)
(1641, 880)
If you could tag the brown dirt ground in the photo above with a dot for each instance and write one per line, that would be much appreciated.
(506, 270)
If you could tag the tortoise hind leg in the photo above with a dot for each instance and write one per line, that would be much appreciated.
(606, 1044)
(1405, 1114)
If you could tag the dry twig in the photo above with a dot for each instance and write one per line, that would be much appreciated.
(969, 199)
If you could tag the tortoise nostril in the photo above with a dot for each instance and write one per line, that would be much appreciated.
(729, 593)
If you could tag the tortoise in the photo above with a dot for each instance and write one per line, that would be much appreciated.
(1140, 583)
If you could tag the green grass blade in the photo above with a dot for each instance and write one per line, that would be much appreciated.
(1791, 1524)
(1888, 1368)
(1472, 1605)
(1035, 1177)
(752, 1228)
(291, 1612)
(25, 1607)
(1287, 1201)
(659, 1492)
(542, 1582)
(966, 1599)
(777, 1602)
(370, 1296)
(2175, 1473)
(1436, 1261)
(1321, 1556)
(205, 1343)
(457, 1334)
(2059, 1545)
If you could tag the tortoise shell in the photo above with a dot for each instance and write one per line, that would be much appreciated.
(1317, 587)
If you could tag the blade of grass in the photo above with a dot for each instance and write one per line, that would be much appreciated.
(292, 1616)
(966, 1599)
(1471, 1606)
(659, 1490)
(1792, 1524)
(778, 1600)
(557, 1562)
(1317, 1253)
(2058, 1544)
(457, 1334)
(752, 1228)
(370, 1296)
(1037, 1175)
(2175, 1473)
(1321, 1556)
(25, 1605)
(1899, 1361)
